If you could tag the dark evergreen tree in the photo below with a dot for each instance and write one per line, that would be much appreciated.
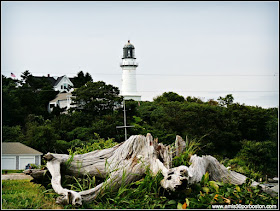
(81, 79)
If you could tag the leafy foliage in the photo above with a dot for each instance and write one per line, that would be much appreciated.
(96, 144)
(146, 193)
(223, 124)
(41, 135)
(192, 147)
(207, 193)
(81, 79)
(96, 98)
(226, 101)
(12, 134)
(169, 97)
(28, 96)
(256, 159)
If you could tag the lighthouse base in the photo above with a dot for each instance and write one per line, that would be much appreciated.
(132, 97)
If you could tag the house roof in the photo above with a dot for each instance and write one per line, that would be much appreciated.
(61, 96)
(53, 81)
(58, 80)
(16, 148)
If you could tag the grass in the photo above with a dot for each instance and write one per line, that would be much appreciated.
(146, 193)
(23, 194)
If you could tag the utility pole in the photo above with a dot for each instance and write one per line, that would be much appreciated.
(124, 121)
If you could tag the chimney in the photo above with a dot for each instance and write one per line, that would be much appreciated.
(48, 75)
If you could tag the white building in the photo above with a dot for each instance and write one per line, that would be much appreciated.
(129, 65)
(62, 100)
(64, 85)
(15, 156)
(61, 84)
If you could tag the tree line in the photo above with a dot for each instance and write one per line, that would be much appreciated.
(222, 126)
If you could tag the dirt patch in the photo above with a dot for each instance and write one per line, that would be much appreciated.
(15, 176)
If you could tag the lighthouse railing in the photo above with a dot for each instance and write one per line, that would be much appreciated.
(129, 63)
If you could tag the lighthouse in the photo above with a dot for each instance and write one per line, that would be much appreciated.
(129, 65)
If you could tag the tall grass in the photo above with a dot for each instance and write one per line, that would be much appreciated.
(146, 193)
(192, 147)
(22, 194)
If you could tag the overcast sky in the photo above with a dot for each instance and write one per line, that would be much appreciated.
(201, 49)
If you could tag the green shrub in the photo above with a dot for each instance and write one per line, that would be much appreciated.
(192, 147)
(256, 159)
(206, 193)
(145, 193)
(96, 144)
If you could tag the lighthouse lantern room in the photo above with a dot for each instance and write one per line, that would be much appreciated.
(129, 65)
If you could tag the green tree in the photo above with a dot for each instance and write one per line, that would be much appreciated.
(169, 97)
(81, 79)
(12, 134)
(272, 124)
(30, 95)
(190, 99)
(212, 102)
(96, 98)
(226, 101)
(260, 156)
(11, 107)
(40, 135)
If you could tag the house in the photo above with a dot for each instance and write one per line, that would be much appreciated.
(15, 156)
(65, 86)
(61, 84)
(62, 100)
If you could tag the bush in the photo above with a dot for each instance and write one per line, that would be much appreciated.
(192, 147)
(208, 193)
(256, 159)
(95, 144)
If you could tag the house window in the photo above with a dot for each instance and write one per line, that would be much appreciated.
(61, 87)
(52, 105)
(65, 86)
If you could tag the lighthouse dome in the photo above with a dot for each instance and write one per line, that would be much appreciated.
(128, 45)
(128, 51)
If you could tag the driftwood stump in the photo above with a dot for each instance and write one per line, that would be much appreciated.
(131, 158)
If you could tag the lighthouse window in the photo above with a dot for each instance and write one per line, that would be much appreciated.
(128, 53)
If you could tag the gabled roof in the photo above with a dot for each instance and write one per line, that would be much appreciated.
(61, 96)
(53, 81)
(16, 148)
(58, 80)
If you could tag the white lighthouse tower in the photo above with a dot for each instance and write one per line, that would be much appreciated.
(128, 65)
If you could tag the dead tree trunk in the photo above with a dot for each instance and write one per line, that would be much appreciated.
(131, 158)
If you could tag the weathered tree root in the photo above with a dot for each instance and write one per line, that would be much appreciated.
(131, 158)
